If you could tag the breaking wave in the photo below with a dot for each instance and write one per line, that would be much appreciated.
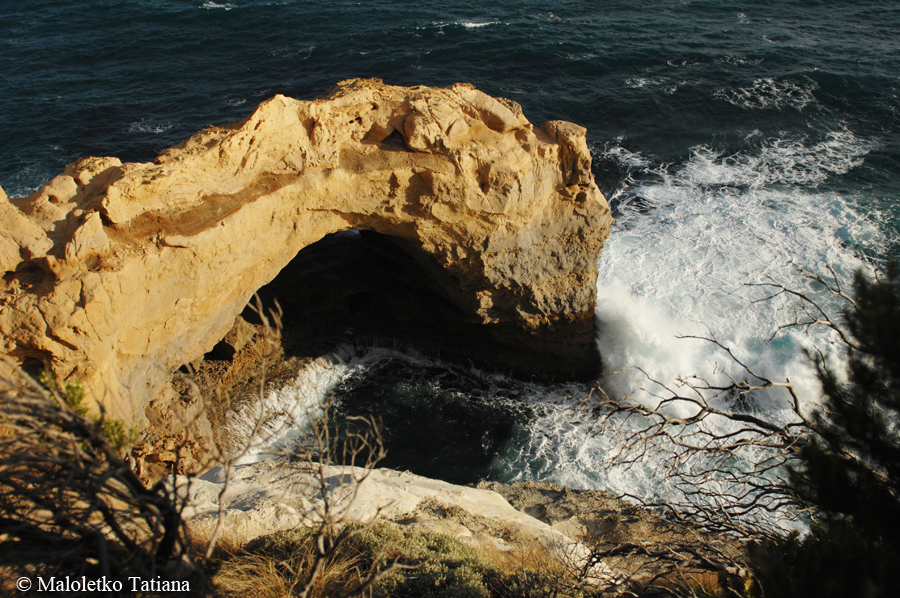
(210, 5)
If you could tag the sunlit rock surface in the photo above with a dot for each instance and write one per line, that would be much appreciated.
(118, 274)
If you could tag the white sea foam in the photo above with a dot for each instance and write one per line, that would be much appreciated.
(259, 427)
(21, 184)
(771, 93)
(678, 62)
(270, 425)
(640, 82)
(210, 5)
(148, 125)
(468, 24)
(476, 24)
(738, 60)
(632, 160)
(778, 161)
(714, 224)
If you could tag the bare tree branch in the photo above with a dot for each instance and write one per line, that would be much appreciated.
(727, 465)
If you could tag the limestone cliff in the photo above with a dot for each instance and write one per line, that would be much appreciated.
(119, 273)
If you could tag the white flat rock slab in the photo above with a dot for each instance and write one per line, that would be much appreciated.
(267, 497)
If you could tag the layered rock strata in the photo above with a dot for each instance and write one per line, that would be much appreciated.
(118, 274)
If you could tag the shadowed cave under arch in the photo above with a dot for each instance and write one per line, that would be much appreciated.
(367, 288)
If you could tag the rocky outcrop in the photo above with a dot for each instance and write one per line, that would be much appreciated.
(269, 496)
(120, 273)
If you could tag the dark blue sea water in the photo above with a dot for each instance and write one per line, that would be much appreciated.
(734, 140)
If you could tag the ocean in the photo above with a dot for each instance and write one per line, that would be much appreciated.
(737, 143)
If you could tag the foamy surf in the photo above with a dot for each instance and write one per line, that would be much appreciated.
(210, 5)
(150, 126)
(259, 428)
(772, 94)
(262, 429)
(476, 24)
(688, 241)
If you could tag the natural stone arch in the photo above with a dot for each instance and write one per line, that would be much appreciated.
(119, 273)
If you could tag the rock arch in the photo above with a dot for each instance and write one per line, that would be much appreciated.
(119, 273)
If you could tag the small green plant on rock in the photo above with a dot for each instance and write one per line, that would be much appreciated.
(116, 433)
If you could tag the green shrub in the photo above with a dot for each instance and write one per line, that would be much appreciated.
(444, 567)
(114, 431)
(435, 565)
(837, 560)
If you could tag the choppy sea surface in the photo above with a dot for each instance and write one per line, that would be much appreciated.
(736, 142)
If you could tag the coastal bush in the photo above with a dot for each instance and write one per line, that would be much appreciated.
(429, 565)
(849, 465)
(834, 560)
(71, 506)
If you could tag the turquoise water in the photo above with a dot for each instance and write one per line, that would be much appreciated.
(735, 142)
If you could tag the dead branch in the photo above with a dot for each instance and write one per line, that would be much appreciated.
(330, 443)
(71, 505)
(728, 463)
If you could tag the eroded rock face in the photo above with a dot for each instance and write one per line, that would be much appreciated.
(119, 273)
